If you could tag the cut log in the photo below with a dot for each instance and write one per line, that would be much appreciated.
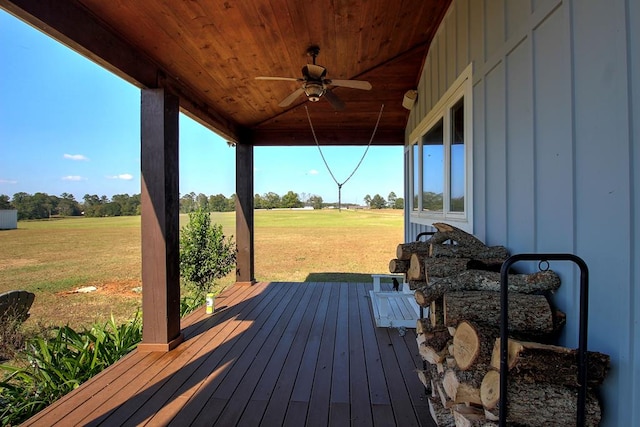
(479, 280)
(455, 234)
(460, 391)
(492, 253)
(472, 346)
(404, 250)
(535, 362)
(469, 416)
(416, 266)
(433, 342)
(441, 415)
(398, 266)
(435, 336)
(425, 378)
(443, 267)
(432, 354)
(423, 325)
(529, 315)
(537, 404)
(416, 284)
(436, 312)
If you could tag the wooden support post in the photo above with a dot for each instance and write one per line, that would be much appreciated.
(245, 273)
(160, 221)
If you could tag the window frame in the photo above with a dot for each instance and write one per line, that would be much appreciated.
(460, 89)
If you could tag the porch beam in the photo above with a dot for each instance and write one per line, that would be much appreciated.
(337, 137)
(160, 221)
(245, 269)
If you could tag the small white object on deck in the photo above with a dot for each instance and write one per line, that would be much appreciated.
(391, 308)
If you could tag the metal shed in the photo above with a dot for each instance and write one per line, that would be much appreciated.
(8, 219)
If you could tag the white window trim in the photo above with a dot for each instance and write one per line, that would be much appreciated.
(462, 87)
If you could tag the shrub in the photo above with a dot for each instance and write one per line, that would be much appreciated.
(205, 253)
(53, 366)
(11, 337)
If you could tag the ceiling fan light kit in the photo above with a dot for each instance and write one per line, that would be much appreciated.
(315, 84)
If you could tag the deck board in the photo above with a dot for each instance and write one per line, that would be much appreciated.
(273, 354)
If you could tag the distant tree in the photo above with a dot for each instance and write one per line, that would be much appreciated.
(5, 202)
(367, 200)
(37, 206)
(188, 203)
(271, 200)
(231, 203)
(399, 203)
(316, 202)
(291, 200)
(205, 253)
(432, 201)
(258, 202)
(391, 199)
(202, 202)
(111, 209)
(218, 203)
(378, 202)
(93, 206)
(128, 205)
(68, 206)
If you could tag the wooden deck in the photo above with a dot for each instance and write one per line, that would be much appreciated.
(273, 354)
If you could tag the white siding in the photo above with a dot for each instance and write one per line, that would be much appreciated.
(8, 219)
(556, 157)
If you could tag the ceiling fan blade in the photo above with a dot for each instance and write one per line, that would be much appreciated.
(353, 84)
(314, 72)
(333, 99)
(292, 97)
(289, 79)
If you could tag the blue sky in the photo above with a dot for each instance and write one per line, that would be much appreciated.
(68, 125)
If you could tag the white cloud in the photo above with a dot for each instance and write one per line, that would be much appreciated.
(313, 172)
(73, 178)
(8, 181)
(76, 157)
(123, 176)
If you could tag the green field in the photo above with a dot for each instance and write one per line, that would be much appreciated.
(53, 258)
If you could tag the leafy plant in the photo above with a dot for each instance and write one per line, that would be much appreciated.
(191, 302)
(53, 366)
(205, 253)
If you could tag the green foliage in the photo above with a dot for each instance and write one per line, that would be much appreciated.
(119, 205)
(432, 201)
(291, 200)
(53, 366)
(205, 253)
(316, 202)
(5, 202)
(378, 202)
(190, 303)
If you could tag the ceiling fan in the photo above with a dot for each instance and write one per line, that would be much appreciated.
(315, 84)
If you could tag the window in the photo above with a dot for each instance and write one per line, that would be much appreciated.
(441, 160)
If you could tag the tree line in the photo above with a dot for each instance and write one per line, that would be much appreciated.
(43, 205)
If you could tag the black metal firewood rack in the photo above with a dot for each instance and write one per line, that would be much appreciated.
(582, 333)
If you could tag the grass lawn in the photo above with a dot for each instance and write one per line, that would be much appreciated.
(53, 258)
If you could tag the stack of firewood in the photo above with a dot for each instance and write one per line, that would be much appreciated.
(457, 277)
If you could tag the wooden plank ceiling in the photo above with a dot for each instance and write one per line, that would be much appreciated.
(209, 52)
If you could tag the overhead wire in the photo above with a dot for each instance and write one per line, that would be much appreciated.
(340, 184)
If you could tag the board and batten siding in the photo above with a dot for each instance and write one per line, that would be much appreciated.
(8, 219)
(556, 154)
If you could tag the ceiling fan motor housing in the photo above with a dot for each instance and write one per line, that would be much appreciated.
(314, 91)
